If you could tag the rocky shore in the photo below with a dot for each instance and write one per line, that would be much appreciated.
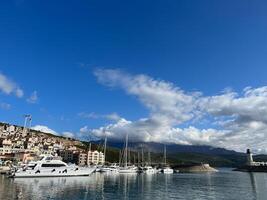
(197, 168)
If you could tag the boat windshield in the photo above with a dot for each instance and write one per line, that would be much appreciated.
(53, 165)
(49, 158)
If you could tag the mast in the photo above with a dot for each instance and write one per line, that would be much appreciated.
(149, 158)
(126, 151)
(120, 157)
(129, 156)
(105, 147)
(138, 159)
(165, 160)
(142, 156)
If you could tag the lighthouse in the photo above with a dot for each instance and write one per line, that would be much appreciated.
(250, 161)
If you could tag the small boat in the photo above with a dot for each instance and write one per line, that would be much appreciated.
(50, 166)
(4, 169)
(150, 170)
(167, 170)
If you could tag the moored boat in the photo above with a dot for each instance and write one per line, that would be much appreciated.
(150, 170)
(127, 169)
(50, 166)
(166, 169)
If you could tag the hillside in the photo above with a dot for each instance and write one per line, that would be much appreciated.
(176, 154)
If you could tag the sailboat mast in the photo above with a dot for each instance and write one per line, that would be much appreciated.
(149, 158)
(126, 151)
(165, 160)
(138, 159)
(142, 156)
(105, 147)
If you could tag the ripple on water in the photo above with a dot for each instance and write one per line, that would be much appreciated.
(224, 185)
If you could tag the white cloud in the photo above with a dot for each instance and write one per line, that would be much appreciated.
(241, 120)
(5, 106)
(7, 86)
(112, 116)
(92, 115)
(44, 129)
(68, 134)
(84, 129)
(162, 98)
(33, 98)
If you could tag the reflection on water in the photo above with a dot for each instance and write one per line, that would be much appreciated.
(222, 185)
(259, 184)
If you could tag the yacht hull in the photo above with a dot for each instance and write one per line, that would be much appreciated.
(63, 172)
(128, 170)
(167, 171)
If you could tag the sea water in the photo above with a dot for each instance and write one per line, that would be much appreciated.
(225, 184)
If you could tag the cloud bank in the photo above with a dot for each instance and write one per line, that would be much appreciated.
(240, 120)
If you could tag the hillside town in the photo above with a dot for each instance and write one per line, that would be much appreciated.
(22, 144)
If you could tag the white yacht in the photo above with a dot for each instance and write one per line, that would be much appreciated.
(50, 166)
(114, 168)
(167, 170)
(150, 170)
(128, 169)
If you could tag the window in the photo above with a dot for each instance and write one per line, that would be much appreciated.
(53, 165)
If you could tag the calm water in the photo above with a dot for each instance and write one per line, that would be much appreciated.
(222, 185)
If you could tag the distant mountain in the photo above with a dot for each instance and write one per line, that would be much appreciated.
(173, 148)
(187, 154)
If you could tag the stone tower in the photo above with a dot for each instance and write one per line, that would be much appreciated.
(249, 158)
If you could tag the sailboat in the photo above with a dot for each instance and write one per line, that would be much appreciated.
(112, 168)
(129, 169)
(148, 169)
(166, 169)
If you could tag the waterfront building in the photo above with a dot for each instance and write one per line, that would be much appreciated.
(91, 158)
(6, 147)
(83, 159)
(69, 156)
(96, 157)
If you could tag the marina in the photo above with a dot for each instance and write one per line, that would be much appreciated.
(133, 100)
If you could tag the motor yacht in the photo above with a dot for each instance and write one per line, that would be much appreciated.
(50, 166)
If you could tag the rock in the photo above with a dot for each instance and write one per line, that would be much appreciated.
(201, 168)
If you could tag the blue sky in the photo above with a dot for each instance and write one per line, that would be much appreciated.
(54, 48)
